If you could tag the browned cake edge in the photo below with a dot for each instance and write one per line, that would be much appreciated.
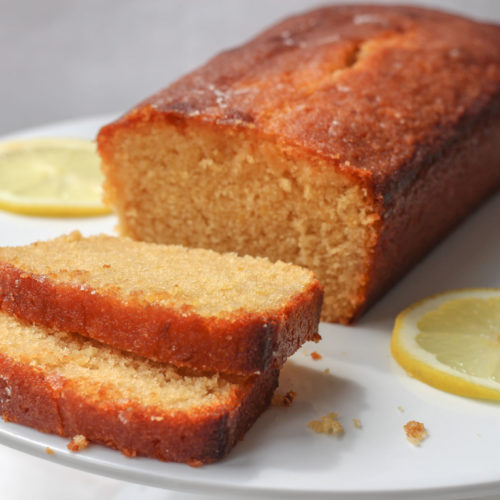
(430, 197)
(30, 397)
(244, 343)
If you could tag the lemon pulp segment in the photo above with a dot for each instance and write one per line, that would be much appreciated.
(51, 177)
(452, 341)
(465, 335)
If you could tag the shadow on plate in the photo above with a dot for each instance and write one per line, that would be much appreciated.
(282, 433)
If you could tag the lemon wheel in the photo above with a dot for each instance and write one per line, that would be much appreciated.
(52, 177)
(452, 342)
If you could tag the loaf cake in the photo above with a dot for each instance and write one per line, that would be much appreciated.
(65, 384)
(349, 140)
(191, 308)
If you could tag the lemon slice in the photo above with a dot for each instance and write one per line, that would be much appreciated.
(452, 341)
(57, 177)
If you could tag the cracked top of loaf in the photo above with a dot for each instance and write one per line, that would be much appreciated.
(369, 88)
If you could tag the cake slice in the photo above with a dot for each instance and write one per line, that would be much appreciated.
(349, 140)
(189, 307)
(65, 384)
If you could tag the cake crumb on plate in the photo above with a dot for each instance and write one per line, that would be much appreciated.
(415, 432)
(78, 443)
(283, 400)
(328, 424)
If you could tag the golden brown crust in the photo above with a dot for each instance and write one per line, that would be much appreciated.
(309, 82)
(245, 344)
(26, 397)
(402, 100)
(29, 397)
(449, 185)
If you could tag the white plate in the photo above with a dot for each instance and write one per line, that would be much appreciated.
(280, 456)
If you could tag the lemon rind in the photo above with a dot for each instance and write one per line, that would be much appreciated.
(54, 210)
(444, 378)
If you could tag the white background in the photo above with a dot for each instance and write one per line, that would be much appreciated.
(62, 59)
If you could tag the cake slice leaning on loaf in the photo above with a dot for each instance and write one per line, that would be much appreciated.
(63, 383)
(188, 307)
(349, 140)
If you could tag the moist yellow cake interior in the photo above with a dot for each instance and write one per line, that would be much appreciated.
(189, 182)
(103, 374)
(209, 283)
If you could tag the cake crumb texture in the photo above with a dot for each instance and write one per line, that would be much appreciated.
(328, 424)
(78, 443)
(415, 432)
(97, 369)
(195, 280)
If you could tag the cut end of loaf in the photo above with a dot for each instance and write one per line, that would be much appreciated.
(183, 182)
